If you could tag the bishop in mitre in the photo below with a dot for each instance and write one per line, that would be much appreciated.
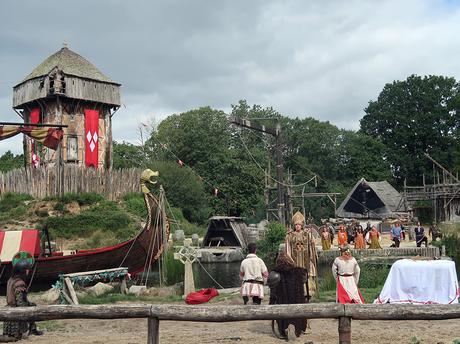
(300, 246)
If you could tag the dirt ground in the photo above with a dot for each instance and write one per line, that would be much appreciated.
(133, 331)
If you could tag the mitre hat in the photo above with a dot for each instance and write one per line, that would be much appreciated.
(298, 218)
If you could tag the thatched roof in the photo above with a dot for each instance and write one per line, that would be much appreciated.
(69, 63)
(371, 199)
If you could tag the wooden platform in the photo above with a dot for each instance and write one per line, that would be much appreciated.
(67, 281)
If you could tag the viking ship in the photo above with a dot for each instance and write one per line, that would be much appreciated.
(137, 254)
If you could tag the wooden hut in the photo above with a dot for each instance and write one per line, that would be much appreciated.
(377, 200)
(67, 89)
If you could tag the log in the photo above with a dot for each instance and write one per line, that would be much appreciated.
(54, 312)
(153, 331)
(226, 313)
(344, 330)
(402, 312)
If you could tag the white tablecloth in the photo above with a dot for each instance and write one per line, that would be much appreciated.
(421, 282)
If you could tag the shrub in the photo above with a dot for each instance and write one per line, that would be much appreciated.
(11, 201)
(178, 221)
(174, 269)
(135, 204)
(12, 207)
(269, 245)
(105, 216)
(87, 198)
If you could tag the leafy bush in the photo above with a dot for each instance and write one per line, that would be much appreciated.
(373, 275)
(12, 207)
(98, 239)
(87, 198)
(451, 240)
(135, 204)
(11, 201)
(105, 216)
(267, 248)
(178, 221)
(174, 269)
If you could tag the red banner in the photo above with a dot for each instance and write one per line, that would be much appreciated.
(34, 119)
(91, 137)
(34, 116)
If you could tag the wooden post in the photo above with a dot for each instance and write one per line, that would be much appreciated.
(153, 333)
(344, 330)
(123, 286)
(72, 293)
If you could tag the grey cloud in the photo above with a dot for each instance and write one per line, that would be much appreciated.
(321, 59)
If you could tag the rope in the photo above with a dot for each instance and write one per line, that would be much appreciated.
(150, 249)
(129, 250)
(3, 270)
(165, 147)
(157, 221)
(265, 173)
(32, 277)
(209, 275)
(178, 225)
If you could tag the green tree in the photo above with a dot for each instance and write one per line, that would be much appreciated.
(204, 141)
(9, 161)
(411, 117)
(362, 156)
(185, 190)
(126, 155)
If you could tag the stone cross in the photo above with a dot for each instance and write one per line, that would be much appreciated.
(187, 255)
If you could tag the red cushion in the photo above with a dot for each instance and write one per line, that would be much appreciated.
(201, 296)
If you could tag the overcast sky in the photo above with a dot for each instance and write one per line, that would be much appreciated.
(325, 59)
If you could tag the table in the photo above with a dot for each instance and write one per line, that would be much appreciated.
(421, 282)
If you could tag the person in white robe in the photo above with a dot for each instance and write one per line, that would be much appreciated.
(346, 271)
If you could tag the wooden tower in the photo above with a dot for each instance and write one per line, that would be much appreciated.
(67, 89)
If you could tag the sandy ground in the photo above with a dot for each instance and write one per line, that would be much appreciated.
(133, 331)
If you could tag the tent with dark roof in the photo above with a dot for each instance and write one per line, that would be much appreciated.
(372, 200)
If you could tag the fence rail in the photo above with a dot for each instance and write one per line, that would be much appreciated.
(53, 181)
(328, 256)
(231, 313)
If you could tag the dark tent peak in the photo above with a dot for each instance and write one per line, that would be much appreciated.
(372, 200)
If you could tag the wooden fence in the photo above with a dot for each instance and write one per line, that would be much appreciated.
(54, 181)
(329, 256)
(230, 313)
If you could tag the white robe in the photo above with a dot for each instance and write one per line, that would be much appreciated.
(350, 268)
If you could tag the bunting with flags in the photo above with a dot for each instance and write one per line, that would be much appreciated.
(49, 137)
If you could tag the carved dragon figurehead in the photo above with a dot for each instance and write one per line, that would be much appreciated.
(148, 178)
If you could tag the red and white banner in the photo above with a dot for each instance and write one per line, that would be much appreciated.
(50, 137)
(11, 242)
(34, 119)
(91, 137)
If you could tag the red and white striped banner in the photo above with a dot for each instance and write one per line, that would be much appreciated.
(11, 242)
(50, 137)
